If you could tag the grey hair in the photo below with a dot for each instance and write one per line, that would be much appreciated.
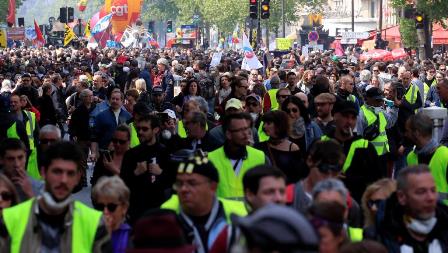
(84, 93)
(50, 129)
(203, 105)
(422, 123)
(330, 184)
(402, 178)
(112, 187)
(365, 75)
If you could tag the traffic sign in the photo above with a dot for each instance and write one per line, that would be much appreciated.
(313, 36)
(355, 35)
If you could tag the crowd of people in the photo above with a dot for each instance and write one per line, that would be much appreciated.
(333, 155)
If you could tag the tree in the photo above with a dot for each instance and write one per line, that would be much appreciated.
(4, 4)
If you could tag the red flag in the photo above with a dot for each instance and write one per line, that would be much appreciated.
(11, 18)
(40, 41)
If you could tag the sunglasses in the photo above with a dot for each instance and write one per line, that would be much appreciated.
(6, 196)
(326, 168)
(115, 141)
(442, 69)
(294, 110)
(372, 203)
(111, 207)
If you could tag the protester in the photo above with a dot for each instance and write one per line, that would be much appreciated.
(374, 197)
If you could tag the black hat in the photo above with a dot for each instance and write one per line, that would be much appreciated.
(344, 106)
(157, 90)
(195, 162)
(374, 93)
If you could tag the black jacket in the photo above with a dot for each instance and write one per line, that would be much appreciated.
(391, 231)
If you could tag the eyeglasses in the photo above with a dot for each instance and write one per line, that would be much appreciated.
(6, 196)
(115, 141)
(47, 141)
(442, 69)
(294, 110)
(283, 96)
(375, 202)
(111, 207)
(326, 168)
(144, 129)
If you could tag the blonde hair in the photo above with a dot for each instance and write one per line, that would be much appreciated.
(111, 187)
(387, 185)
(140, 85)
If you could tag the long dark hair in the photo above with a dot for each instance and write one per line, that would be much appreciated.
(186, 91)
(297, 102)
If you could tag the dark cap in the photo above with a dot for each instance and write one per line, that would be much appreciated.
(344, 106)
(26, 75)
(276, 227)
(159, 231)
(374, 93)
(195, 162)
(157, 90)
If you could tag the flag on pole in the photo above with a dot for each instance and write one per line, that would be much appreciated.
(87, 33)
(82, 5)
(39, 41)
(250, 60)
(102, 24)
(235, 39)
(11, 18)
(69, 35)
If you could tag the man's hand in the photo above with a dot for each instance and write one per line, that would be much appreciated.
(155, 169)
(22, 180)
(142, 167)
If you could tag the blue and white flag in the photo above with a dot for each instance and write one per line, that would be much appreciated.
(250, 60)
(102, 24)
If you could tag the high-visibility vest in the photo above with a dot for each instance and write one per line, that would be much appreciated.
(351, 98)
(181, 131)
(84, 226)
(273, 97)
(262, 136)
(134, 137)
(381, 142)
(437, 165)
(358, 144)
(231, 182)
(411, 94)
(230, 206)
(32, 166)
(425, 91)
(355, 234)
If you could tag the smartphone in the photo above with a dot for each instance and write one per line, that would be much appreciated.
(106, 153)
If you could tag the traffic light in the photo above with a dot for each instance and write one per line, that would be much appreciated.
(151, 26)
(265, 9)
(419, 18)
(253, 9)
(169, 26)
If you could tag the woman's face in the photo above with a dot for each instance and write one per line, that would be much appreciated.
(5, 197)
(439, 77)
(329, 243)
(113, 211)
(130, 100)
(375, 198)
(225, 83)
(23, 102)
(193, 89)
(293, 111)
(269, 129)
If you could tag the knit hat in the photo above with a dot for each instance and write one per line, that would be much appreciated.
(195, 162)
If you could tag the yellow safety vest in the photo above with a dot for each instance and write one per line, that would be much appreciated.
(351, 98)
(381, 142)
(360, 143)
(425, 91)
(355, 234)
(231, 181)
(134, 137)
(32, 166)
(273, 97)
(230, 206)
(437, 165)
(84, 226)
(262, 136)
(411, 94)
(181, 131)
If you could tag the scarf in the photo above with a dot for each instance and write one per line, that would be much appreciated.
(428, 148)
(223, 94)
(298, 128)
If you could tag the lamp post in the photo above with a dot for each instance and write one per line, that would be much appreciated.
(353, 15)
(283, 18)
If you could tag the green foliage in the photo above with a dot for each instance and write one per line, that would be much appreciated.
(4, 9)
(435, 10)
(408, 33)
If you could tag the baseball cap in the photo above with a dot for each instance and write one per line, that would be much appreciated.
(254, 96)
(343, 106)
(189, 70)
(276, 227)
(157, 90)
(234, 103)
(374, 93)
(170, 113)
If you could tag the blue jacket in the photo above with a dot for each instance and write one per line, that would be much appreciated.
(105, 125)
(146, 75)
(312, 133)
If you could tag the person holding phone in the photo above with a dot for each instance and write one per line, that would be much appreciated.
(109, 162)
